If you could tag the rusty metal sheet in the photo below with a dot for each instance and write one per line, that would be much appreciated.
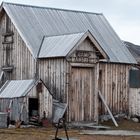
(59, 110)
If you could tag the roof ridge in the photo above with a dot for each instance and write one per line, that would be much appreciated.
(65, 34)
(61, 9)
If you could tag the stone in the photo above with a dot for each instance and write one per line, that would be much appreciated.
(135, 120)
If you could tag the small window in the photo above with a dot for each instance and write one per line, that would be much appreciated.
(134, 78)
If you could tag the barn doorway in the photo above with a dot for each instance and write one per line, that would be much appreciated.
(33, 107)
(81, 103)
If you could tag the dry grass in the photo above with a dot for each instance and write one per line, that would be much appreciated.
(48, 133)
(33, 134)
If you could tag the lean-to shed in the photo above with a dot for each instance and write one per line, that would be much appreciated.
(75, 53)
(24, 99)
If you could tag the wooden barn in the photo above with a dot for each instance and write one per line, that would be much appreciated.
(25, 99)
(75, 53)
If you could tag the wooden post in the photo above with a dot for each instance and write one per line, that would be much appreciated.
(96, 93)
(113, 119)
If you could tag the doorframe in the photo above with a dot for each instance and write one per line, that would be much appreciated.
(95, 68)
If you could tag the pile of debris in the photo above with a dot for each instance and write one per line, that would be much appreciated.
(119, 117)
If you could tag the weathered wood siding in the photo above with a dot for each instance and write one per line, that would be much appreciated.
(114, 86)
(55, 74)
(134, 101)
(45, 100)
(15, 54)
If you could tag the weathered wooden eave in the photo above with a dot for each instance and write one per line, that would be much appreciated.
(94, 41)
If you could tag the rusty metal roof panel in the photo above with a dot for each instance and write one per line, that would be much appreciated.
(59, 46)
(16, 88)
(33, 23)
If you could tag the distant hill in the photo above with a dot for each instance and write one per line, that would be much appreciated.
(134, 49)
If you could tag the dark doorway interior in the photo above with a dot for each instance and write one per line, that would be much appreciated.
(33, 107)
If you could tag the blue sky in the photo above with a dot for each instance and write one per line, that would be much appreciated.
(123, 15)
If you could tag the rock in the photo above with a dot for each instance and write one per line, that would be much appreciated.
(105, 118)
(128, 118)
(135, 120)
(11, 126)
(120, 115)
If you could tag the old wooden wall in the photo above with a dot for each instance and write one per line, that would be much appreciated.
(55, 74)
(16, 53)
(45, 99)
(134, 101)
(114, 86)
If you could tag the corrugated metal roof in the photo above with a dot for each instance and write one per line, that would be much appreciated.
(59, 46)
(33, 23)
(16, 88)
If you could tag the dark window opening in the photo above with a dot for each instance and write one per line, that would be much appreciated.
(134, 78)
(33, 107)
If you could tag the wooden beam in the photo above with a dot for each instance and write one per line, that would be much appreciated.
(113, 119)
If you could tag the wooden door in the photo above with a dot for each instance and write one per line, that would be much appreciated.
(81, 103)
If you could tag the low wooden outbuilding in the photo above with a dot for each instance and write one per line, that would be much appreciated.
(24, 99)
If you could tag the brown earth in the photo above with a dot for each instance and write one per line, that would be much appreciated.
(123, 125)
(94, 137)
(48, 133)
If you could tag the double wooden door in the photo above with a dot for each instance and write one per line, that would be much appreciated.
(81, 104)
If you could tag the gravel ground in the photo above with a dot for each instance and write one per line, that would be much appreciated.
(111, 133)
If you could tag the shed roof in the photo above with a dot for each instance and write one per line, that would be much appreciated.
(16, 88)
(33, 23)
